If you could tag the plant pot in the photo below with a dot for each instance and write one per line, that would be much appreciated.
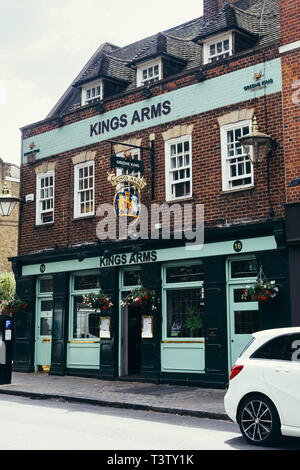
(259, 297)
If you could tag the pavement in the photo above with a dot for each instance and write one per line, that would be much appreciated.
(163, 398)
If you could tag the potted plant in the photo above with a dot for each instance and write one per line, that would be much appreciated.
(194, 320)
(262, 290)
(98, 301)
(140, 297)
(14, 305)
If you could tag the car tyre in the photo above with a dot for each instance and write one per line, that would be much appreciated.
(258, 420)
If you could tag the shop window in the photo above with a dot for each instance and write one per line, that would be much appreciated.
(184, 300)
(243, 268)
(149, 73)
(237, 169)
(92, 92)
(84, 189)
(179, 168)
(45, 198)
(217, 49)
(85, 320)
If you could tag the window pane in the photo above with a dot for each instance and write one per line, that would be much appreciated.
(273, 349)
(46, 284)
(293, 348)
(186, 273)
(245, 321)
(244, 268)
(185, 313)
(45, 326)
(86, 281)
(85, 320)
(131, 278)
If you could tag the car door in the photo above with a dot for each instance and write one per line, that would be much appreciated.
(283, 379)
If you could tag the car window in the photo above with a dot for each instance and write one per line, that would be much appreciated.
(273, 349)
(293, 348)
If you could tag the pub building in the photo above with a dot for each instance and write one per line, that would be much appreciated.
(158, 122)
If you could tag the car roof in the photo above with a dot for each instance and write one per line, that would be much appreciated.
(276, 332)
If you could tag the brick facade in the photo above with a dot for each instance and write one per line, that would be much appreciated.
(9, 175)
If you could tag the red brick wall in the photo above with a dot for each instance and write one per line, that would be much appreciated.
(221, 209)
(290, 32)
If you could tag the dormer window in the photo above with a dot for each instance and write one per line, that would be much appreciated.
(92, 92)
(149, 72)
(217, 48)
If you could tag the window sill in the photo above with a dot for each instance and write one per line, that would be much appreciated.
(230, 191)
(182, 199)
(84, 217)
(50, 224)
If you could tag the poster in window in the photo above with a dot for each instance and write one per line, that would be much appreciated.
(105, 327)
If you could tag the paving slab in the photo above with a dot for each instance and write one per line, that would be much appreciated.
(176, 399)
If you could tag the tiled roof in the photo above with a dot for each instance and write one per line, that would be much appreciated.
(258, 18)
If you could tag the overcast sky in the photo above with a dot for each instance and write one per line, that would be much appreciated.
(45, 43)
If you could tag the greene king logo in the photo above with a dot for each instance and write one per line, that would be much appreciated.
(164, 221)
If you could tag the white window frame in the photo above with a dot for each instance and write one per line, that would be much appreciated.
(39, 200)
(89, 92)
(207, 57)
(226, 177)
(78, 191)
(169, 171)
(141, 80)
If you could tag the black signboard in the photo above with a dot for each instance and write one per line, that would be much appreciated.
(126, 164)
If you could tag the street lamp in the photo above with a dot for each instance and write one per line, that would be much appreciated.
(259, 142)
(7, 202)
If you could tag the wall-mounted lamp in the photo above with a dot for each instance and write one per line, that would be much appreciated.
(258, 141)
(7, 202)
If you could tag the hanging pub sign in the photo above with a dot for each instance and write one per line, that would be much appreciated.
(127, 199)
(126, 164)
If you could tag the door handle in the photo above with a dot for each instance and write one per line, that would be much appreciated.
(281, 370)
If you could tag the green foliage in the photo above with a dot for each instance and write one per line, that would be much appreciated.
(7, 288)
(194, 320)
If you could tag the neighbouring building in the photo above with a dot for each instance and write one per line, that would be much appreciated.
(172, 108)
(9, 177)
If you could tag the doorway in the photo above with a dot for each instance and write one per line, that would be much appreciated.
(44, 334)
(130, 326)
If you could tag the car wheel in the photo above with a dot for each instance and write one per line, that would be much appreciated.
(258, 420)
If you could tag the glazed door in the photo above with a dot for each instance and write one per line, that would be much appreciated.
(44, 333)
(243, 320)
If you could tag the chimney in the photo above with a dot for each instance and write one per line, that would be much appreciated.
(211, 7)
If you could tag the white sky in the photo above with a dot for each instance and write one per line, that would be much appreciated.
(45, 43)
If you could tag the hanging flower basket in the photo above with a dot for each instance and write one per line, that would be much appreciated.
(262, 290)
(98, 301)
(13, 306)
(140, 297)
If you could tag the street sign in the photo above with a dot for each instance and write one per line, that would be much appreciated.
(126, 164)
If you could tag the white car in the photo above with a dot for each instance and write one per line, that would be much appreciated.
(263, 396)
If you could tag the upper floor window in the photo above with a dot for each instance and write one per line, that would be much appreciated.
(217, 48)
(92, 92)
(84, 189)
(237, 169)
(45, 198)
(179, 168)
(149, 72)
